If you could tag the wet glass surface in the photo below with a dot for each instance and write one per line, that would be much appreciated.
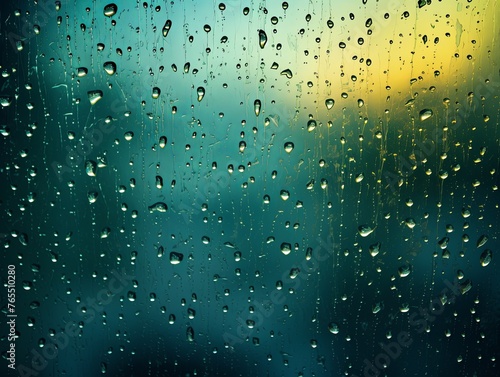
(254, 188)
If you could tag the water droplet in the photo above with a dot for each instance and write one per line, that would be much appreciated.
(377, 307)
(329, 102)
(289, 147)
(311, 125)
(110, 67)
(159, 182)
(288, 73)
(404, 271)
(92, 196)
(163, 141)
(486, 257)
(482, 240)
(333, 328)
(262, 38)
(94, 96)
(176, 258)
(443, 243)
(286, 248)
(361, 103)
(256, 107)
(156, 92)
(359, 177)
(166, 28)
(158, 207)
(425, 114)
(110, 10)
(5, 101)
(81, 71)
(91, 168)
(201, 93)
(284, 194)
(410, 222)
(190, 334)
(374, 249)
(365, 230)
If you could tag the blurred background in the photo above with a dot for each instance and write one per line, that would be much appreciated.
(247, 188)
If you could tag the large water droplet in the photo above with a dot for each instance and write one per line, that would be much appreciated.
(163, 141)
(486, 257)
(482, 240)
(166, 28)
(110, 68)
(284, 194)
(90, 168)
(289, 147)
(201, 93)
(256, 107)
(374, 249)
(286, 248)
(425, 114)
(81, 71)
(333, 328)
(110, 10)
(365, 230)
(5, 101)
(94, 96)
(158, 207)
(404, 271)
(156, 92)
(329, 103)
(311, 125)
(262, 38)
(176, 258)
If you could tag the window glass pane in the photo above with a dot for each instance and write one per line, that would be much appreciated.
(250, 188)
